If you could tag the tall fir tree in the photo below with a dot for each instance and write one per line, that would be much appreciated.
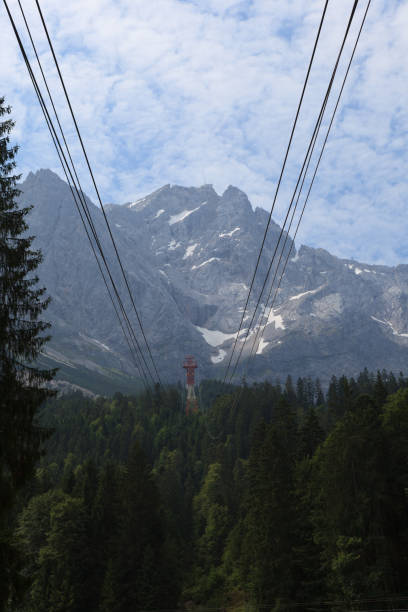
(22, 385)
(354, 507)
(270, 541)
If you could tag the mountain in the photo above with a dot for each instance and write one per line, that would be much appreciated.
(189, 255)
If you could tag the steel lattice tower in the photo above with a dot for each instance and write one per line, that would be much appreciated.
(190, 366)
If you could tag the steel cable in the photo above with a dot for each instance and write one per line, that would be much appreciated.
(277, 187)
(239, 394)
(315, 131)
(66, 169)
(310, 186)
(96, 189)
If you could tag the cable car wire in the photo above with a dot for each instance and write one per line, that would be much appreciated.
(66, 168)
(315, 131)
(303, 172)
(252, 353)
(96, 189)
(314, 135)
(61, 156)
(311, 183)
(277, 187)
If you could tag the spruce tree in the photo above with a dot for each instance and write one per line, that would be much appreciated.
(271, 529)
(354, 510)
(22, 385)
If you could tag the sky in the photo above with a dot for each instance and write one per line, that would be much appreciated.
(191, 92)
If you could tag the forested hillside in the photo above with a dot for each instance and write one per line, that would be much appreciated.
(272, 497)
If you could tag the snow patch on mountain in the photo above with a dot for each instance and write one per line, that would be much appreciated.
(184, 214)
(159, 212)
(214, 337)
(379, 320)
(190, 250)
(394, 331)
(205, 263)
(359, 271)
(356, 270)
(229, 234)
(388, 323)
(219, 357)
(311, 292)
(261, 346)
(276, 319)
(139, 204)
(173, 245)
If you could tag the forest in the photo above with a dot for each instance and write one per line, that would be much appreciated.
(273, 497)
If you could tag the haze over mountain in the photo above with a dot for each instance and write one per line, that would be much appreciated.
(189, 255)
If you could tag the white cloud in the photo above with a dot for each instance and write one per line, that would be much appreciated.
(205, 91)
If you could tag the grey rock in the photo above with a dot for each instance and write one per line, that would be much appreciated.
(189, 256)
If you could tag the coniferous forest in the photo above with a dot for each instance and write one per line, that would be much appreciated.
(272, 497)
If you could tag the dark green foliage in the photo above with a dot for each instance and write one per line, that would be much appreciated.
(311, 435)
(357, 505)
(22, 389)
(269, 498)
(270, 523)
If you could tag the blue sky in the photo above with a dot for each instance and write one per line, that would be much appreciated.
(205, 91)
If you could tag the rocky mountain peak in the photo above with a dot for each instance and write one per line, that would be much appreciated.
(189, 256)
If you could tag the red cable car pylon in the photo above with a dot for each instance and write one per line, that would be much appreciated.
(190, 366)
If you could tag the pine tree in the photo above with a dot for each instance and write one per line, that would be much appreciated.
(319, 394)
(138, 561)
(268, 547)
(380, 390)
(353, 519)
(21, 302)
(311, 435)
(22, 385)
(290, 394)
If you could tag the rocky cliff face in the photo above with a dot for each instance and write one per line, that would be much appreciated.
(189, 255)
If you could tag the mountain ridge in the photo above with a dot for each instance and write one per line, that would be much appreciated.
(189, 255)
